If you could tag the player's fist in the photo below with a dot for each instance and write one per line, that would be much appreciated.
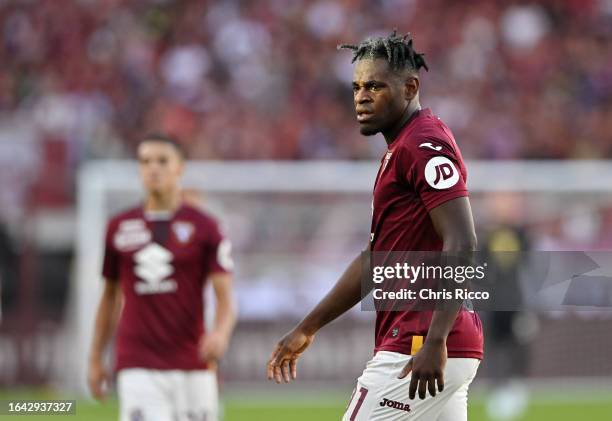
(98, 379)
(212, 346)
(283, 362)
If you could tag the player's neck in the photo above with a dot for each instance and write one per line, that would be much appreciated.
(162, 202)
(391, 134)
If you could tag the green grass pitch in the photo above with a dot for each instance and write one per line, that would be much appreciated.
(236, 409)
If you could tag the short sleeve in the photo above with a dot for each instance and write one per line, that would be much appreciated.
(110, 267)
(435, 171)
(218, 251)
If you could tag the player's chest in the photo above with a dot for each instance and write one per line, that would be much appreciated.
(391, 185)
(143, 242)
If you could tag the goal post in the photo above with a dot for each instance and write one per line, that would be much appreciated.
(304, 209)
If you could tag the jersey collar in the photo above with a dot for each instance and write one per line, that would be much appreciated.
(161, 215)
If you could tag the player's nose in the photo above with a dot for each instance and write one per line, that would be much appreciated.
(361, 97)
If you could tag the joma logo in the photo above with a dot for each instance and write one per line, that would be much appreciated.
(395, 405)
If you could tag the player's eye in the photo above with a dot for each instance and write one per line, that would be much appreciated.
(374, 87)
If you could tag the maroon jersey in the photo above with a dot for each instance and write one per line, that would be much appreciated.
(162, 261)
(422, 169)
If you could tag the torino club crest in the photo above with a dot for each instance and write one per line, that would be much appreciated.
(183, 231)
(386, 161)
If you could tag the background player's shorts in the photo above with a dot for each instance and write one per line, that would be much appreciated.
(380, 395)
(167, 395)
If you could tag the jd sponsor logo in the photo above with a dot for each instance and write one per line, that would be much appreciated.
(440, 173)
(395, 405)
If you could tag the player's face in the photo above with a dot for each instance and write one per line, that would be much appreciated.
(379, 96)
(161, 166)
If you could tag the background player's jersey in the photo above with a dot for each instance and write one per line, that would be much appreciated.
(162, 261)
(422, 169)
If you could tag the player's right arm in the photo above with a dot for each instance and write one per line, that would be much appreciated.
(106, 320)
(342, 297)
(107, 315)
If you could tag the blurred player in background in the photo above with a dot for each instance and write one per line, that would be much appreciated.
(158, 257)
(420, 203)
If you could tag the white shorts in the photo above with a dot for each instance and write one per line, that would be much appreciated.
(167, 395)
(380, 395)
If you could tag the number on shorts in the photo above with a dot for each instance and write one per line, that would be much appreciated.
(362, 394)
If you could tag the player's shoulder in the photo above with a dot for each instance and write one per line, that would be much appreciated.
(205, 223)
(197, 214)
(428, 131)
(126, 216)
(428, 136)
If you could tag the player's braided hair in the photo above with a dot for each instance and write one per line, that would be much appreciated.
(398, 50)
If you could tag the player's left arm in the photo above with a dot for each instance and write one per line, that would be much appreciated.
(215, 343)
(454, 223)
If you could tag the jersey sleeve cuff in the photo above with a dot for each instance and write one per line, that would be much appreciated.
(437, 199)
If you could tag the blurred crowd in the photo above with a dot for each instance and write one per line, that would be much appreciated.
(262, 79)
(84, 79)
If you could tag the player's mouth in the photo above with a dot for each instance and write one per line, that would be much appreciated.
(364, 116)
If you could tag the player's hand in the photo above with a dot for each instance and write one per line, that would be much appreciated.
(427, 367)
(212, 346)
(283, 362)
(98, 379)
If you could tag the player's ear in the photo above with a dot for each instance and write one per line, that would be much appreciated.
(411, 87)
(181, 164)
